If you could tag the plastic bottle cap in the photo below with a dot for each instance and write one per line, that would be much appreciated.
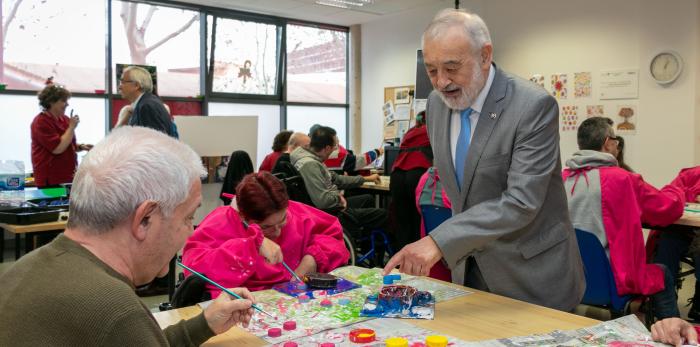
(436, 341)
(396, 342)
(290, 344)
(362, 335)
(289, 325)
(274, 332)
(388, 279)
(328, 344)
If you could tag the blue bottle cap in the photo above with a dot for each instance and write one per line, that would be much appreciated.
(389, 279)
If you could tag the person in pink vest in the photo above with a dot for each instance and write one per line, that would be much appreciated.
(244, 244)
(612, 203)
(669, 246)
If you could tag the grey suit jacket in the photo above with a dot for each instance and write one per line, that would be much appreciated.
(511, 213)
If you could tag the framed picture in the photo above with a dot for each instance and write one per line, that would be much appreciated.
(402, 96)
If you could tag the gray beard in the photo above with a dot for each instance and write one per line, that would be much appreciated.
(468, 95)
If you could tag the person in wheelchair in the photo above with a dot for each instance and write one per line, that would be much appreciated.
(612, 204)
(244, 244)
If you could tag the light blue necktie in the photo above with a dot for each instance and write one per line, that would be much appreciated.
(462, 145)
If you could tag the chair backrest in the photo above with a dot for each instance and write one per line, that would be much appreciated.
(600, 283)
(433, 216)
(190, 291)
(289, 175)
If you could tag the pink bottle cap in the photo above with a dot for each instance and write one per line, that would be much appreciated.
(289, 325)
(274, 332)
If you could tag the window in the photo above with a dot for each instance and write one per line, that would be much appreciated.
(165, 37)
(316, 65)
(301, 118)
(246, 57)
(268, 123)
(16, 130)
(63, 39)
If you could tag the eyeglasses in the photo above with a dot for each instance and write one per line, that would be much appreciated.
(278, 224)
(126, 81)
(614, 138)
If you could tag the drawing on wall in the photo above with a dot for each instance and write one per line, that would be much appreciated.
(594, 111)
(626, 119)
(559, 86)
(402, 96)
(582, 84)
(537, 79)
(569, 117)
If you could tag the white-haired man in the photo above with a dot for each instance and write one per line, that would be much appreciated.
(132, 205)
(148, 110)
(495, 142)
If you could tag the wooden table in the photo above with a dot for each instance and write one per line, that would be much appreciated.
(27, 230)
(689, 218)
(474, 317)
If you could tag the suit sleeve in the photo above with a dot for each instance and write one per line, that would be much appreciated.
(534, 162)
(153, 115)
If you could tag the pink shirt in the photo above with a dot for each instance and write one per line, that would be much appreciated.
(224, 250)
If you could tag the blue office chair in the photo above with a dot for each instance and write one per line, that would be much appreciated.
(433, 216)
(601, 290)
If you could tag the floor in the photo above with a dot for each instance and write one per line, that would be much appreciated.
(684, 294)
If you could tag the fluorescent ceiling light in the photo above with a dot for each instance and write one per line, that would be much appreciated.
(344, 3)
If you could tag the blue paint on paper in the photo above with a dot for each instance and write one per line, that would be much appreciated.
(296, 288)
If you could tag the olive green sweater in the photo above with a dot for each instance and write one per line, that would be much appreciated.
(62, 295)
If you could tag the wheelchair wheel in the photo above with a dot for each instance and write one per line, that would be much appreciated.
(350, 245)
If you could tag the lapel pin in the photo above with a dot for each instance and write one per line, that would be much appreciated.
(493, 115)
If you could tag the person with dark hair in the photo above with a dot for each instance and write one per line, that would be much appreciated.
(600, 197)
(239, 165)
(54, 144)
(243, 244)
(621, 154)
(343, 160)
(415, 156)
(279, 146)
(323, 186)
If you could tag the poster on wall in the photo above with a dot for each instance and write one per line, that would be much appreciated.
(402, 112)
(582, 85)
(388, 110)
(569, 118)
(537, 79)
(558, 82)
(619, 84)
(402, 95)
(595, 111)
(626, 120)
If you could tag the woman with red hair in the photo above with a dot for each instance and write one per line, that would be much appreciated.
(243, 244)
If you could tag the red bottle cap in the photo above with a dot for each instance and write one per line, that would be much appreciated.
(362, 335)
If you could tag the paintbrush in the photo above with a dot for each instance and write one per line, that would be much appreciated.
(221, 287)
(292, 272)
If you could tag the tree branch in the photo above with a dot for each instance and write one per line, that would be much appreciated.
(149, 15)
(171, 35)
(11, 16)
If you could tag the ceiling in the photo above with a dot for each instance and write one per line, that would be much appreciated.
(310, 11)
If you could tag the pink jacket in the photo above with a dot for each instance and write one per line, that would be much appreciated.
(224, 250)
(689, 181)
(626, 201)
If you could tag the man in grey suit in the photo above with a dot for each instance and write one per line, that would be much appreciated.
(496, 145)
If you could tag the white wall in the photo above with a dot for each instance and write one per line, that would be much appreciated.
(570, 36)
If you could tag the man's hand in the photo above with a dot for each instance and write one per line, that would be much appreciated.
(343, 203)
(373, 178)
(672, 331)
(307, 264)
(416, 258)
(271, 251)
(225, 311)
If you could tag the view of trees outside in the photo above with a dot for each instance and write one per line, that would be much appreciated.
(316, 61)
(165, 37)
(245, 57)
(42, 38)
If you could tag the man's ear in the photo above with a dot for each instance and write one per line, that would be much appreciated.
(486, 56)
(143, 219)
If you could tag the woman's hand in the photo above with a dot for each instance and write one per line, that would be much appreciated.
(271, 251)
(307, 264)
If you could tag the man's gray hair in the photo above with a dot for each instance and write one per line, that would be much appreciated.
(128, 167)
(473, 25)
(141, 77)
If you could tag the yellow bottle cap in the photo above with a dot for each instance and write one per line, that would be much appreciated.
(436, 341)
(396, 342)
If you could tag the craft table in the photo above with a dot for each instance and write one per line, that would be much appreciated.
(477, 316)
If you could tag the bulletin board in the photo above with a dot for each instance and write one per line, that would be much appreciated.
(398, 111)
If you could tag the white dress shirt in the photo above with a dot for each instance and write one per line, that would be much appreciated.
(455, 116)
